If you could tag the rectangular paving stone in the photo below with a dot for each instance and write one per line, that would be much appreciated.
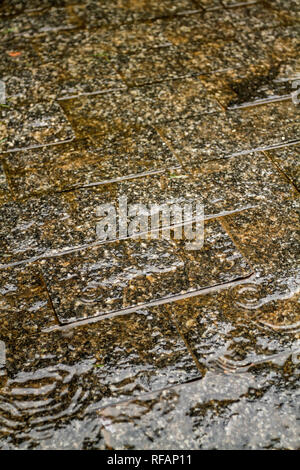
(95, 15)
(229, 329)
(209, 57)
(221, 186)
(288, 161)
(45, 123)
(87, 162)
(57, 224)
(268, 236)
(144, 105)
(264, 47)
(24, 303)
(184, 416)
(83, 62)
(248, 87)
(126, 274)
(214, 185)
(128, 38)
(29, 229)
(193, 30)
(17, 55)
(89, 71)
(174, 99)
(43, 83)
(238, 131)
(273, 45)
(146, 66)
(38, 22)
(4, 189)
(87, 367)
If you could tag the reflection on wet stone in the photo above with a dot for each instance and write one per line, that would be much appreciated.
(24, 302)
(30, 235)
(88, 162)
(138, 341)
(4, 189)
(44, 124)
(222, 187)
(288, 161)
(126, 274)
(236, 132)
(278, 257)
(226, 333)
(150, 104)
(220, 413)
(88, 368)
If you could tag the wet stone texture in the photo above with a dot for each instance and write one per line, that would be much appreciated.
(127, 338)
(287, 160)
(88, 162)
(129, 273)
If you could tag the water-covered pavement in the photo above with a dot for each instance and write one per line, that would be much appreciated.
(141, 342)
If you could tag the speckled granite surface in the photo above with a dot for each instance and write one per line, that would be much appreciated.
(139, 342)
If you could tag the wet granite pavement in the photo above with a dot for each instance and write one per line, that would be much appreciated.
(142, 343)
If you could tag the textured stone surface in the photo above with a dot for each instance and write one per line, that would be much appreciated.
(65, 375)
(24, 302)
(88, 162)
(4, 189)
(220, 413)
(236, 132)
(115, 339)
(125, 274)
(150, 104)
(33, 125)
(288, 161)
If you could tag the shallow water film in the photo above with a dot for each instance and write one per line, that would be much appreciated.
(149, 209)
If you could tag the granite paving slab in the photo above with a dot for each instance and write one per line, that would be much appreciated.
(129, 38)
(25, 231)
(223, 187)
(38, 22)
(95, 15)
(86, 162)
(236, 132)
(270, 246)
(287, 160)
(236, 336)
(220, 412)
(45, 124)
(5, 194)
(256, 85)
(24, 303)
(198, 28)
(126, 274)
(215, 186)
(144, 67)
(85, 65)
(144, 105)
(78, 370)
(43, 83)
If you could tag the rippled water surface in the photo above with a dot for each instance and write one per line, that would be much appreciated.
(137, 341)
